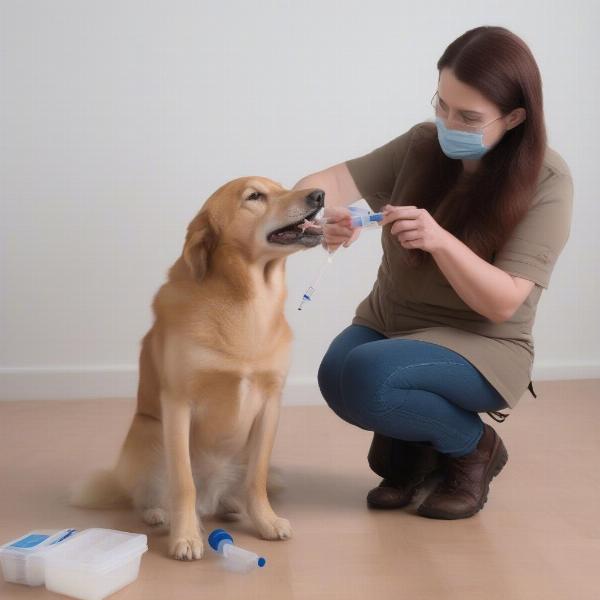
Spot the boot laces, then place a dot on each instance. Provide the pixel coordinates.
(498, 416)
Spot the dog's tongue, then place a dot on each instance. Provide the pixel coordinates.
(308, 224)
(286, 234)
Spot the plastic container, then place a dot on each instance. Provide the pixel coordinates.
(94, 563)
(90, 564)
(22, 560)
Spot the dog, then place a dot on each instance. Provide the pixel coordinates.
(211, 371)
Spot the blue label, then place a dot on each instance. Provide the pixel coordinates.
(30, 541)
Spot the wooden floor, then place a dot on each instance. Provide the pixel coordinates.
(538, 536)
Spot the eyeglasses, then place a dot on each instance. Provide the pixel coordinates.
(466, 124)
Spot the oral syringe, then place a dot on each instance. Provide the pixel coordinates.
(234, 557)
(360, 217)
(356, 220)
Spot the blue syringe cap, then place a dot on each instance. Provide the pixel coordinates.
(365, 220)
(217, 537)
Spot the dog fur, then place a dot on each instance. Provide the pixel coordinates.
(211, 371)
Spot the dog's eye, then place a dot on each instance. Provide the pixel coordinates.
(255, 196)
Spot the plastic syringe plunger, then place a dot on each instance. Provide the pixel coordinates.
(368, 220)
(236, 559)
(357, 219)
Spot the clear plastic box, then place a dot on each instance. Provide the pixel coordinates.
(90, 564)
(21, 559)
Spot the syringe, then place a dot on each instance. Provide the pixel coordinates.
(235, 558)
(360, 218)
(307, 296)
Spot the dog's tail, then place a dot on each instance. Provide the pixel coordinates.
(99, 490)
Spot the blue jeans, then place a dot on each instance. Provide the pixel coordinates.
(406, 389)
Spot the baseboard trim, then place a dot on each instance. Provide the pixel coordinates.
(115, 381)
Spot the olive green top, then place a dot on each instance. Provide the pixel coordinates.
(419, 303)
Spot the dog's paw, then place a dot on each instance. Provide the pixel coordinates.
(154, 516)
(277, 529)
(186, 548)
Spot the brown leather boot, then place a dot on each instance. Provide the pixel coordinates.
(464, 489)
(403, 465)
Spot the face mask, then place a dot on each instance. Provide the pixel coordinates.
(460, 144)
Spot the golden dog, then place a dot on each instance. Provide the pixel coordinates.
(211, 370)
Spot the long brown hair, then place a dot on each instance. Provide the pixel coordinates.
(482, 208)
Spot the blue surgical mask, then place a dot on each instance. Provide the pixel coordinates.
(460, 144)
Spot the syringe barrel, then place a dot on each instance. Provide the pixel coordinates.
(239, 559)
(371, 220)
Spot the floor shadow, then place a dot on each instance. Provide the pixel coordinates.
(307, 486)
(310, 487)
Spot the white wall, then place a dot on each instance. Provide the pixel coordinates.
(119, 118)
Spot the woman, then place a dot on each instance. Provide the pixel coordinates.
(477, 210)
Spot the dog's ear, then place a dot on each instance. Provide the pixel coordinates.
(199, 244)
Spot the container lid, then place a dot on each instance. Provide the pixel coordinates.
(35, 542)
(97, 549)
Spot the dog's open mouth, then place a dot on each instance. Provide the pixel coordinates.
(298, 232)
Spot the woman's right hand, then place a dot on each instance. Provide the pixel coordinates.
(338, 230)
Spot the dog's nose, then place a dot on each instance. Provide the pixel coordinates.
(316, 199)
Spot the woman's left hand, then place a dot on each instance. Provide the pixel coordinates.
(414, 227)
